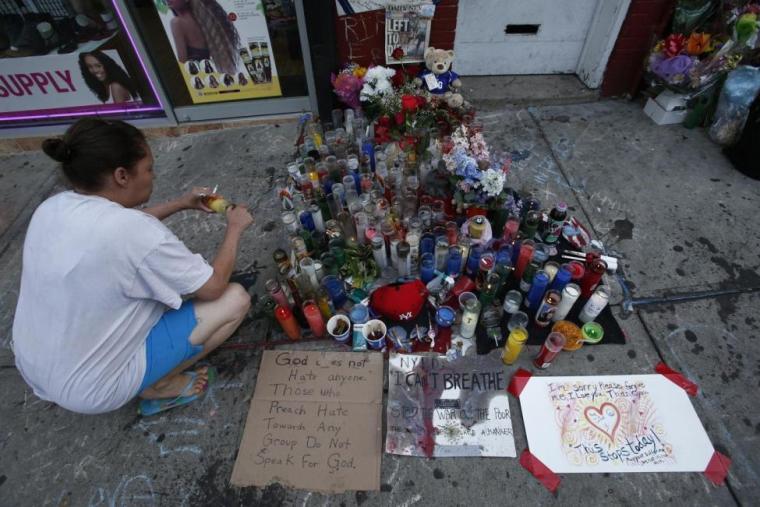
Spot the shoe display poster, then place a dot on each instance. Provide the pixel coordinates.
(441, 407)
(222, 47)
(620, 423)
(65, 84)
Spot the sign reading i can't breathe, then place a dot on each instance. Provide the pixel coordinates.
(443, 408)
(314, 422)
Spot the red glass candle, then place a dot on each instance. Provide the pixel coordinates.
(592, 277)
(314, 318)
(510, 229)
(549, 350)
(523, 258)
(452, 232)
(288, 322)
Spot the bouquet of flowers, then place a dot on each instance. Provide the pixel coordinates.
(468, 164)
(348, 84)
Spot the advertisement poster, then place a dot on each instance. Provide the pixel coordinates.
(407, 26)
(441, 408)
(222, 48)
(600, 424)
(84, 81)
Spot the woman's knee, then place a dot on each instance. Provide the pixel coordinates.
(239, 299)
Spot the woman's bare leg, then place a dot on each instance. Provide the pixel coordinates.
(217, 320)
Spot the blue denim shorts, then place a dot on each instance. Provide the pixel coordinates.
(168, 343)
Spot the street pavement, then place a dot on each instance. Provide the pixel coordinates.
(662, 198)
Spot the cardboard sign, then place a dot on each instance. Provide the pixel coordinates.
(621, 423)
(314, 422)
(442, 408)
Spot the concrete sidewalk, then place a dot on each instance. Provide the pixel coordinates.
(663, 198)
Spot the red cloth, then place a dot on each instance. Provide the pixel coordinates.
(717, 468)
(532, 464)
(678, 379)
(518, 382)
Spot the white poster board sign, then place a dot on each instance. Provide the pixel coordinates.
(442, 408)
(616, 423)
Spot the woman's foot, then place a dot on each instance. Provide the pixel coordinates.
(176, 385)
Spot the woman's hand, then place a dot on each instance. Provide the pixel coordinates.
(194, 199)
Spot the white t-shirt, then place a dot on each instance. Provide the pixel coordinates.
(96, 277)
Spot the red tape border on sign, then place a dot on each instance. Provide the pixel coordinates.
(532, 464)
(717, 468)
(677, 378)
(518, 382)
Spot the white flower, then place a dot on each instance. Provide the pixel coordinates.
(377, 82)
(492, 182)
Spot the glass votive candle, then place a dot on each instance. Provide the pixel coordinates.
(512, 301)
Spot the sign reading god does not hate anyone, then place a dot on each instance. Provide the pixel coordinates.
(314, 422)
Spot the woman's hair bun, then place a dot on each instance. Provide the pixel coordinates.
(57, 149)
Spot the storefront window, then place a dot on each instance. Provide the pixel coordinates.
(211, 51)
(60, 59)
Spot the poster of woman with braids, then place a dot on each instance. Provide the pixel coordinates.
(211, 39)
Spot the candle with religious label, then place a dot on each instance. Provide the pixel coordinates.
(595, 304)
(545, 312)
(515, 343)
(470, 314)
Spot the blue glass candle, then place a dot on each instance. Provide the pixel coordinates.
(473, 260)
(454, 262)
(336, 290)
(307, 221)
(515, 252)
(504, 255)
(537, 289)
(368, 148)
(562, 278)
(427, 244)
(427, 267)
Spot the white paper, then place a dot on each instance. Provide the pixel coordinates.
(443, 408)
(616, 423)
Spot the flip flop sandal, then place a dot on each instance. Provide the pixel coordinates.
(152, 407)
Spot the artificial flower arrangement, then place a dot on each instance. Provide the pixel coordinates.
(691, 64)
(477, 178)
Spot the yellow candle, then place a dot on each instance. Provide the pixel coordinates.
(514, 346)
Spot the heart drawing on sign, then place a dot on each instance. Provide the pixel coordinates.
(606, 418)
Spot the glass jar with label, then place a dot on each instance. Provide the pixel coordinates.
(470, 314)
(595, 304)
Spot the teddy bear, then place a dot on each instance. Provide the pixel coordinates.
(438, 78)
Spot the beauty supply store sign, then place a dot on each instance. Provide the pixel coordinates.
(50, 84)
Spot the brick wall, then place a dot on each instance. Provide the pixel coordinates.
(361, 37)
(646, 21)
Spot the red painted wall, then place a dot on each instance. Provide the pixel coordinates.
(645, 23)
(361, 36)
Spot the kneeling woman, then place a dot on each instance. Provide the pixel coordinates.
(112, 305)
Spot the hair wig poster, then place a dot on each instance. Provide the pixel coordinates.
(222, 48)
(85, 81)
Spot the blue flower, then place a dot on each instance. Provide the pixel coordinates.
(466, 166)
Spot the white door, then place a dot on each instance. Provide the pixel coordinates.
(496, 37)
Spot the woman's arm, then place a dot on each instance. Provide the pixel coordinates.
(179, 40)
(119, 93)
(191, 200)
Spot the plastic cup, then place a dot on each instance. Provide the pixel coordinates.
(334, 322)
(518, 320)
(374, 332)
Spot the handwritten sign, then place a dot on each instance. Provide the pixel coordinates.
(635, 423)
(314, 422)
(443, 408)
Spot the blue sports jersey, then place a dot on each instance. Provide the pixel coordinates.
(444, 81)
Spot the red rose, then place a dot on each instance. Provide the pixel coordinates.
(420, 100)
(398, 79)
(384, 121)
(397, 54)
(409, 103)
(399, 117)
(382, 135)
(412, 70)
